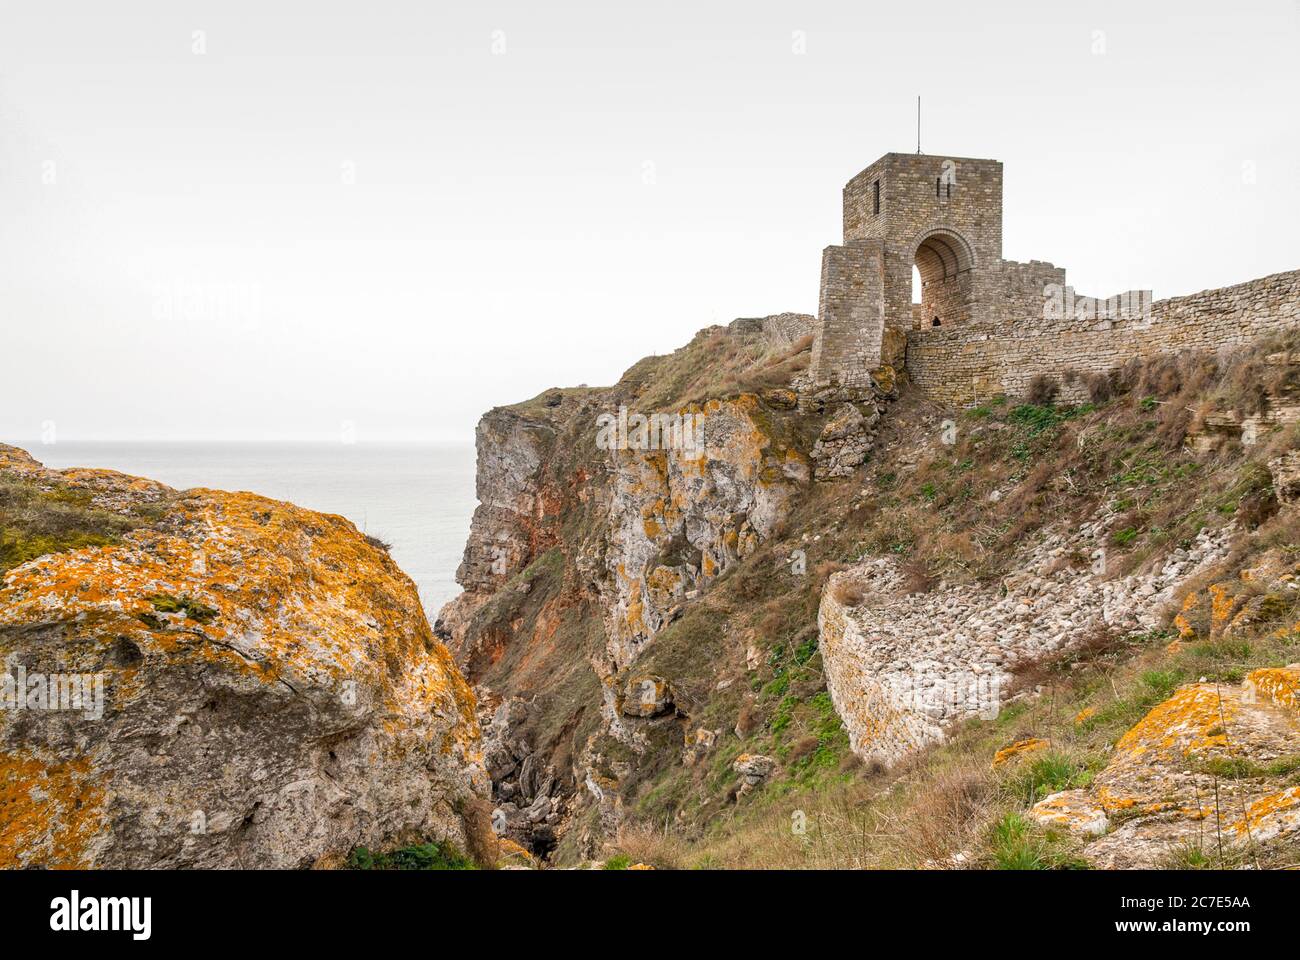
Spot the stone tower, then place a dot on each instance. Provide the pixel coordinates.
(941, 214)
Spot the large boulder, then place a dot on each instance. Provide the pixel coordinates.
(1204, 769)
(232, 682)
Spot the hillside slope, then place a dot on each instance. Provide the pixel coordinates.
(803, 641)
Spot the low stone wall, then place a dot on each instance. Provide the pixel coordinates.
(901, 667)
(964, 364)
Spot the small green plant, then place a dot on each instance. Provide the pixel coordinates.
(1189, 857)
(1018, 845)
(1124, 537)
(191, 608)
(1047, 774)
(435, 855)
(620, 861)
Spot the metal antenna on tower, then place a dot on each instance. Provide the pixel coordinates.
(918, 123)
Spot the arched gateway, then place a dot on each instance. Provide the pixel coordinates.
(942, 215)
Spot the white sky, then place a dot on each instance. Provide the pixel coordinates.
(500, 235)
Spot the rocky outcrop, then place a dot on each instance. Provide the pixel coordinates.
(1230, 607)
(754, 769)
(902, 667)
(511, 449)
(589, 541)
(1285, 471)
(852, 419)
(528, 808)
(1207, 770)
(237, 682)
(845, 442)
(679, 518)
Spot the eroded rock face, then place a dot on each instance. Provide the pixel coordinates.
(678, 518)
(272, 694)
(503, 533)
(903, 667)
(845, 442)
(754, 769)
(646, 696)
(1286, 477)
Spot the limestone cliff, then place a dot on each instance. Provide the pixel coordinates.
(837, 588)
(210, 679)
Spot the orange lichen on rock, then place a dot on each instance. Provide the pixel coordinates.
(245, 558)
(1202, 755)
(1019, 749)
(276, 628)
(1270, 816)
(1195, 718)
(1223, 604)
(1186, 629)
(50, 810)
(1071, 810)
(1280, 685)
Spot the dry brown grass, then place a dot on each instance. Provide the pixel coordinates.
(949, 815)
(662, 848)
(1042, 390)
(849, 592)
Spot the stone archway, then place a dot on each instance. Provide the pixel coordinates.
(944, 260)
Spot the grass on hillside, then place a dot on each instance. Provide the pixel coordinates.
(35, 522)
(715, 364)
(948, 800)
(957, 514)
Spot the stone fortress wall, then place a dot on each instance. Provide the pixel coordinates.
(965, 364)
(986, 325)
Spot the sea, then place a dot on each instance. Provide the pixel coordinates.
(417, 497)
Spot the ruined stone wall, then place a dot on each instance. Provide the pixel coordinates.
(846, 345)
(971, 362)
(781, 330)
(1022, 289)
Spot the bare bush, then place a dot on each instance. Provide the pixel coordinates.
(1042, 390)
(849, 593)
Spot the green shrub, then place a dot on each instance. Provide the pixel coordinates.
(435, 855)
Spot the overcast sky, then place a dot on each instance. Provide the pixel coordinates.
(256, 221)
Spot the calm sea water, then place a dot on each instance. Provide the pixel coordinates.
(417, 497)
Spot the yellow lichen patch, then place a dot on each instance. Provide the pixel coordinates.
(511, 854)
(1280, 685)
(265, 589)
(50, 811)
(1223, 603)
(1182, 621)
(1271, 816)
(1072, 810)
(640, 866)
(1019, 749)
(1194, 719)
(1157, 765)
(1115, 800)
